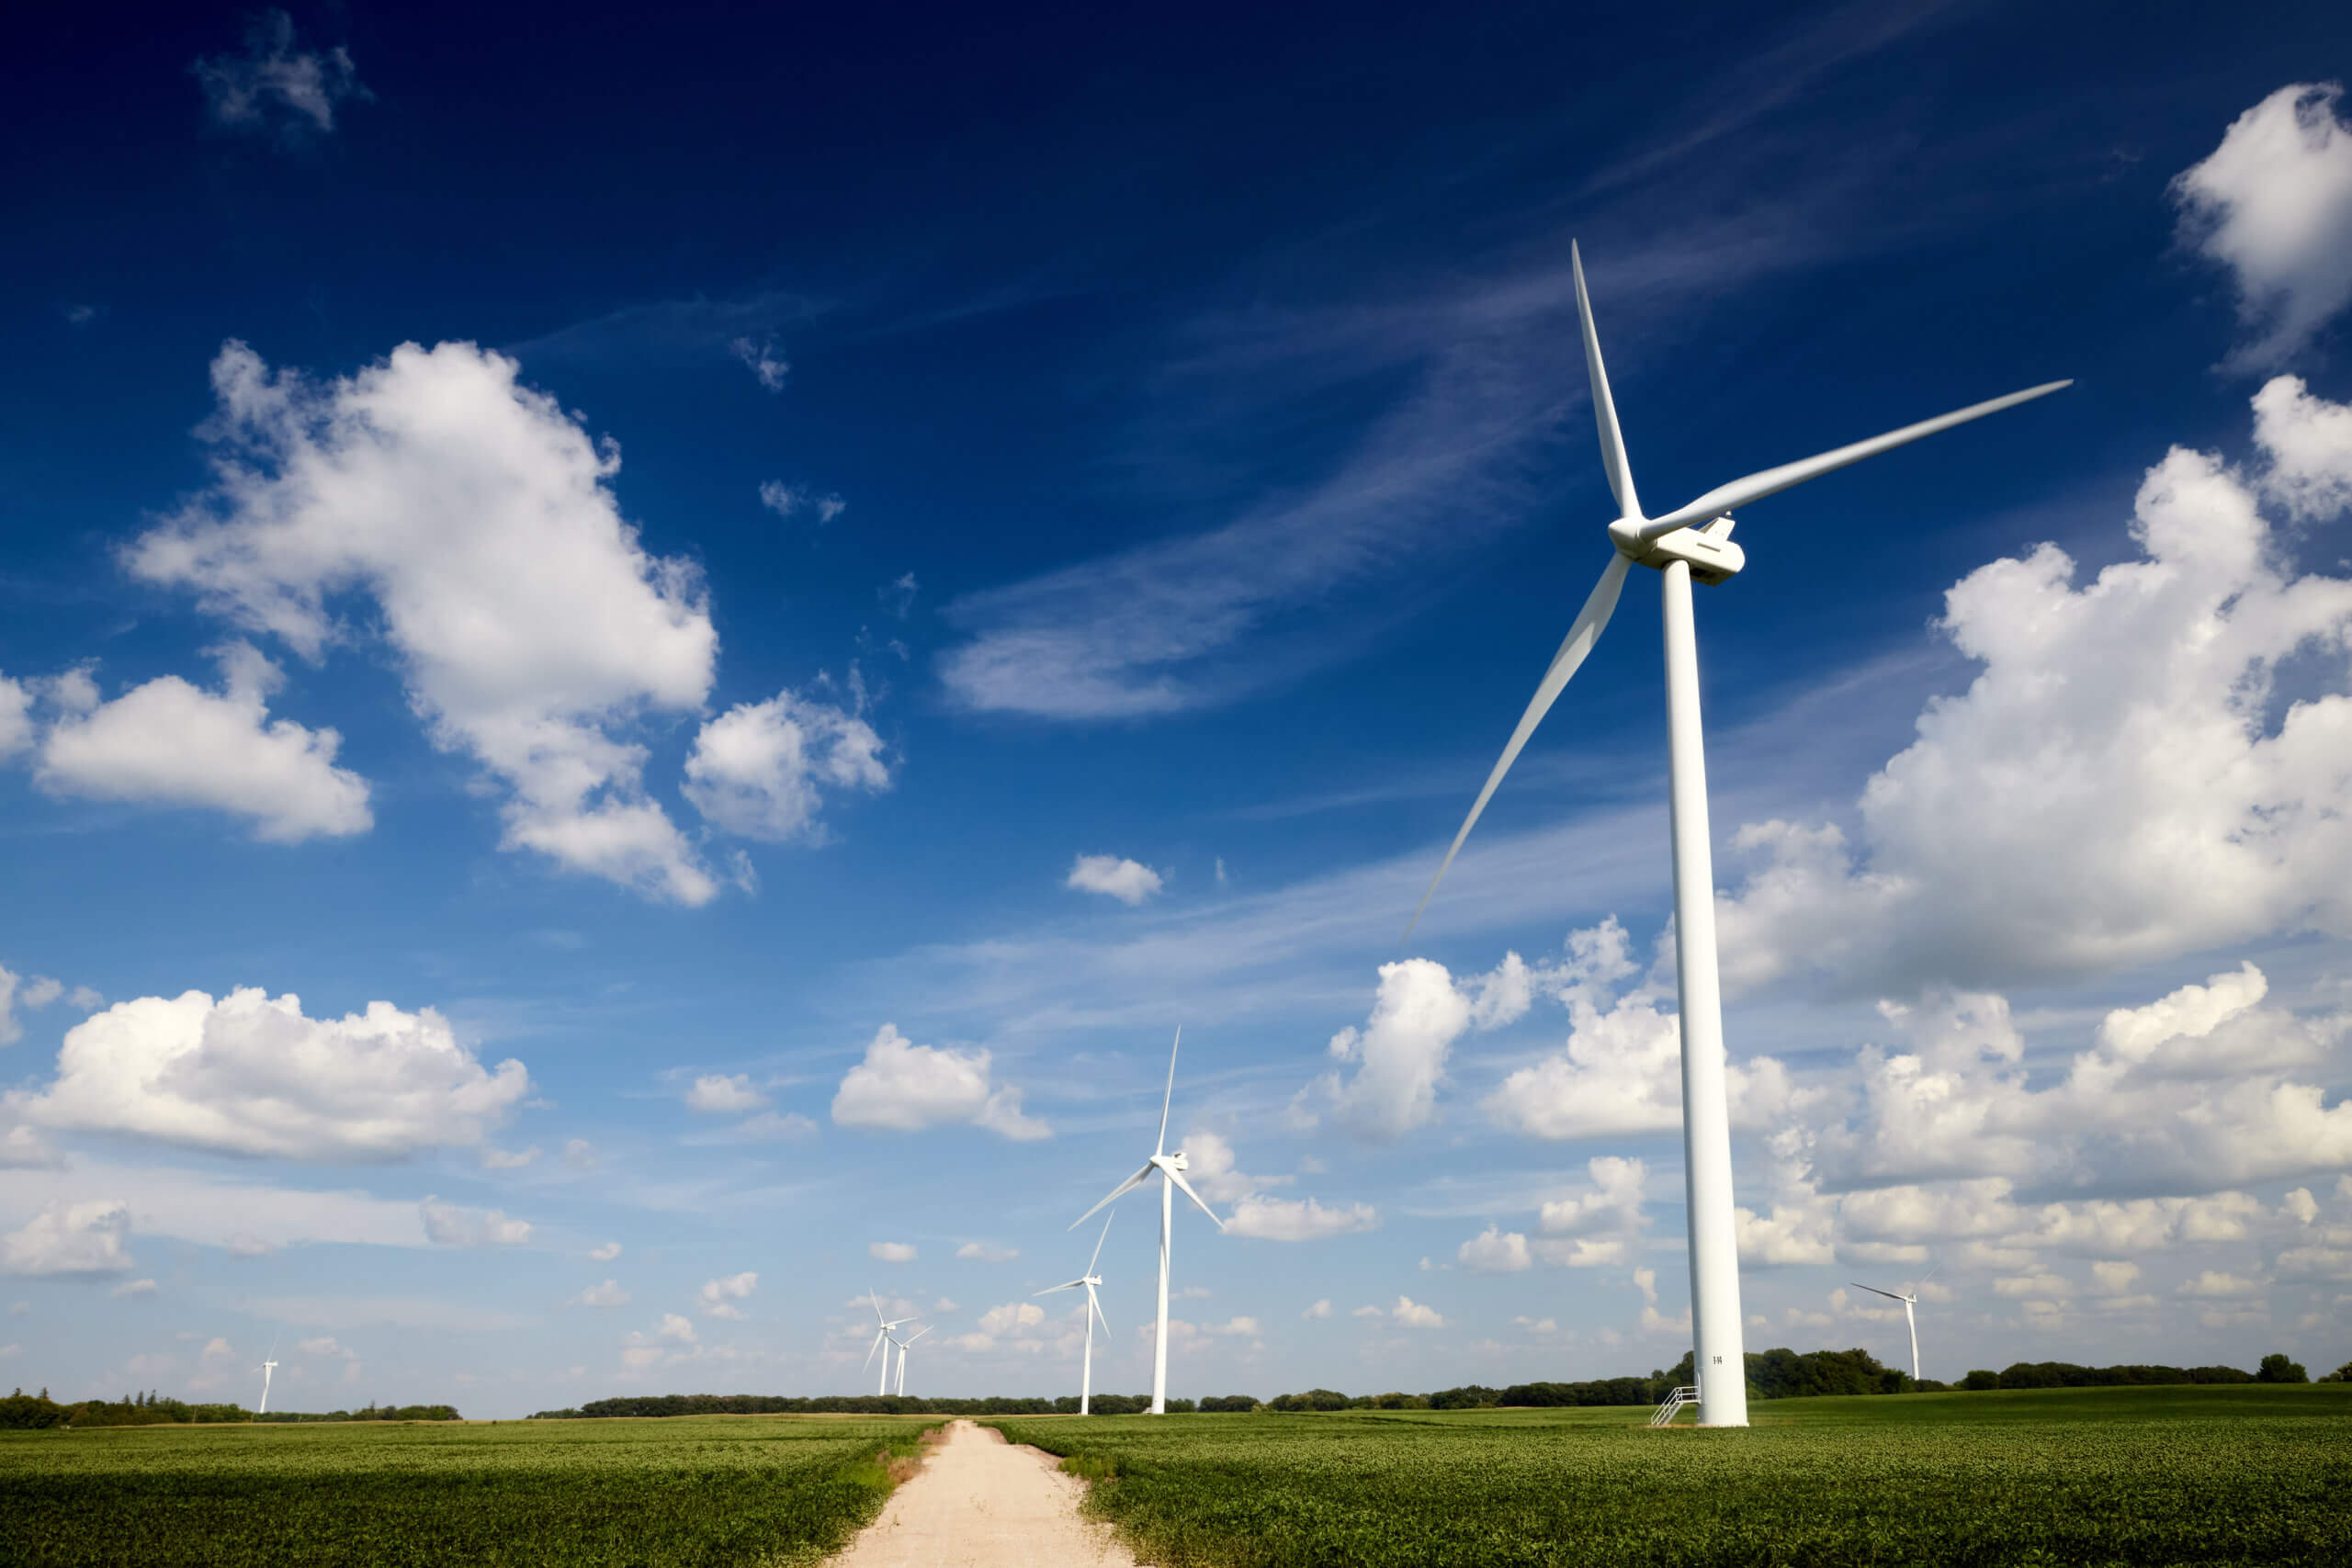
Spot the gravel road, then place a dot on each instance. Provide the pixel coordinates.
(981, 1502)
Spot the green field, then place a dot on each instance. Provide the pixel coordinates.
(705, 1490)
(2241, 1474)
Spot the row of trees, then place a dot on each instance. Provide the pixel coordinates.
(1771, 1374)
(2275, 1368)
(849, 1405)
(21, 1410)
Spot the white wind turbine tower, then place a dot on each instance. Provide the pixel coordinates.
(903, 1345)
(1171, 1169)
(1093, 1311)
(881, 1337)
(268, 1366)
(1910, 1319)
(1691, 541)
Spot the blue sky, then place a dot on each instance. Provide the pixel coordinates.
(821, 584)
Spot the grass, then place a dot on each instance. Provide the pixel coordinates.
(2093, 1476)
(716, 1491)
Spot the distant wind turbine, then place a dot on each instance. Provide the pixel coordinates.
(1692, 541)
(881, 1337)
(268, 1366)
(1171, 1168)
(903, 1345)
(1909, 1316)
(1093, 1311)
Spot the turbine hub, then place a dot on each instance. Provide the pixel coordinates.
(1708, 552)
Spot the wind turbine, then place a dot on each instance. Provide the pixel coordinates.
(1692, 541)
(903, 1345)
(881, 1337)
(268, 1366)
(1909, 1317)
(1171, 1169)
(1093, 1310)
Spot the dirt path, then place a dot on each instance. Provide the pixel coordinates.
(979, 1502)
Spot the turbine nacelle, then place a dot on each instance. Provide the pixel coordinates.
(1707, 551)
(1175, 1162)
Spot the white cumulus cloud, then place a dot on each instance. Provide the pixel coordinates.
(1400, 1053)
(2193, 1093)
(453, 1224)
(247, 1075)
(70, 1238)
(1495, 1251)
(1298, 1219)
(1130, 882)
(170, 743)
(2123, 782)
(32, 993)
(756, 769)
(891, 1251)
(717, 1297)
(2273, 203)
(988, 1252)
(608, 1294)
(905, 1088)
(1012, 1315)
(532, 628)
(720, 1095)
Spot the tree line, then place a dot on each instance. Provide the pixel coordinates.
(1771, 1374)
(651, 1405)
(37, 1411)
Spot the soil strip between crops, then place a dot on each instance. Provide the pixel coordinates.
(981, 1501)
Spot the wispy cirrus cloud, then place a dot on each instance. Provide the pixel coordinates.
(275, 86)
(1154, 630)
(1470, 369)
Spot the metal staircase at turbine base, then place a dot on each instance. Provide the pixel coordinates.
(1665, 1413)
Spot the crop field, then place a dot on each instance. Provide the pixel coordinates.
(715, 1490)
(2107, 1476)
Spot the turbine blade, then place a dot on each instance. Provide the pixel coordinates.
(918, 1334)
(1186, 1188)
(1915, 1290)
(1101, 1240)
(1170, 1099)
(876, 1298)
(1771, 482)
(1874, 1289)
(1604, 407)
(1121, 1190)
(878, 1337)
(1050, 1289)
(1096, 1302)
(1590, 622)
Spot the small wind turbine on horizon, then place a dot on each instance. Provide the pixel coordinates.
(1909, 1317)
(1171, 1170)
(903, 1345)
(268, 1366)
(881, 1337)
(1093, 1311)
(1692, 541)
